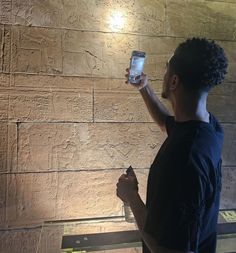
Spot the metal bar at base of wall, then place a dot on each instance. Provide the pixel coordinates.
(129, 239)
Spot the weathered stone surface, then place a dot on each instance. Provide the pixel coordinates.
(48, 239)
(3, 147)
(116, 101)
(97, 54)
(53, 82)
(12, 147)
(4, 104)
(44, 147)
(8, 154)
(86, 53)
(228, 194)
(227, 1)
(214, 19)
(5, 11)
(71, 106)
(36, 50)
(3, 188)
(97, 226)
(121, 107)
(33, 198)
(221, 102)
(230, 50)
(95, 196)
(1, 45)
(4, 80)
(145, 17)
(229, 157)
(158, 51)
(111, 84)
(20, 241)
(4, 48)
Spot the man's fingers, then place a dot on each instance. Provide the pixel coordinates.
(137, 77)
(122, 178)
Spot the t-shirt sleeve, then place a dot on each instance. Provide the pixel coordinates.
(180, 219)
(170, 121)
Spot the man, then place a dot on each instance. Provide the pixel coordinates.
(184, 182)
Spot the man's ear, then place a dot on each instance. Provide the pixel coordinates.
(174, 82)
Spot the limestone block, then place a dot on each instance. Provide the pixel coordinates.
(145, 17)
(19, 241)
(3, 147)
(5, 11)
(107, 55)
(70, 106)
(31, 198)
(116, 101)
(120, 107)
(119, 85)
(227, 1)
(3, 186)
(89, 53)
(229, 158)
(4, 80)
(221, 102)
(50, 239)
(44, 147)
(12, 147)
(5, 42)
(211, 19)
(36, 50)
(99, 225)
(1, 45)
(97, 54)
(230, 50)
(228, 194)
(158, 51)
(53, 82)
(8, 146)
(4, 104)
(88, 194)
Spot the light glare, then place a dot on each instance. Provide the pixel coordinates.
(117, 20)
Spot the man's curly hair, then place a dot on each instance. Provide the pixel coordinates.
(199, 63)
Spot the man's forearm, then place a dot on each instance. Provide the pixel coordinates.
(157, 110)
(140, 213)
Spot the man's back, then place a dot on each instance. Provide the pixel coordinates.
(184, 187)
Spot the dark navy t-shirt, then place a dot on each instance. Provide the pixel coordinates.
(184, 187)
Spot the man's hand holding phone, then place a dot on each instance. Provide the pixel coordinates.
(135, 75)
(143, 80)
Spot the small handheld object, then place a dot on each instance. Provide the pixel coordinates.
(136, 66)
(130, 172)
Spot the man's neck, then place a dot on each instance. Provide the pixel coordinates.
(190, 109)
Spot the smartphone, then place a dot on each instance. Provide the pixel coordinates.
(136, 66)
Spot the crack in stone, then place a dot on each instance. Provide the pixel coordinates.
(94, 56)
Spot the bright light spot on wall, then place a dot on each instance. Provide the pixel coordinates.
(116, 20)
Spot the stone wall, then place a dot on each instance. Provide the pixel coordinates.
(70, 125)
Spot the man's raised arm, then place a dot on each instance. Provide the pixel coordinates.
(155, 107)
